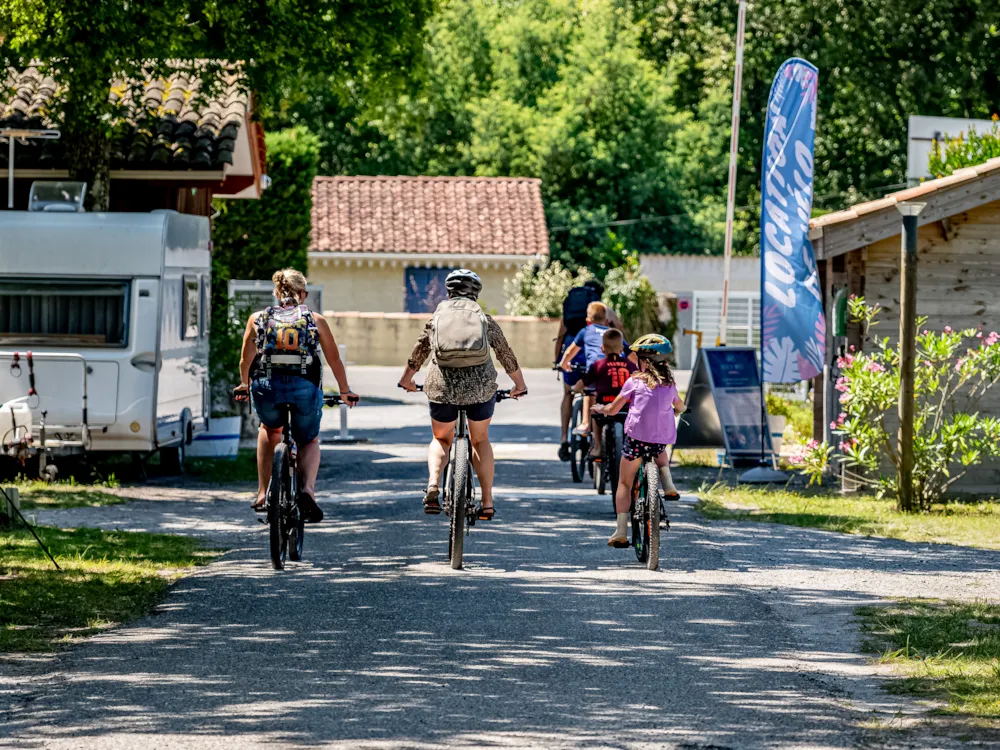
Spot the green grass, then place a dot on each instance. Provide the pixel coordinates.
(107, 578)
(968, 524)
(690, 458)
(945, 651)
(38, 494)
(243, 468)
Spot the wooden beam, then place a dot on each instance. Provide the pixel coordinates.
(856, 288)
(947, 229)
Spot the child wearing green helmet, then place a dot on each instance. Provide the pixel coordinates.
(653, 401)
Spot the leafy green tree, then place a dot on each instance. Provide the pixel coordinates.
(253, 239)
(556, 89)
(275, 46)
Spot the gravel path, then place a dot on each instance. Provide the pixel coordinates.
(549, 639)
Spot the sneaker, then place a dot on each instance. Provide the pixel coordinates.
(565, 452)
(582, 431)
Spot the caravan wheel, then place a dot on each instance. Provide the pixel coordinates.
(172, 459)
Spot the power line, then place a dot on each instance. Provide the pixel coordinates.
(669, 217)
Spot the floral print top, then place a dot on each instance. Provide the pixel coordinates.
(463, 386)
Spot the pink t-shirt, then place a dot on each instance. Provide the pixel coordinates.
(651, 412)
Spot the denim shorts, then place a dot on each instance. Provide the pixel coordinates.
(305, 399)
(575, 375)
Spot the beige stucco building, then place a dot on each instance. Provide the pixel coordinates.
(385, 244)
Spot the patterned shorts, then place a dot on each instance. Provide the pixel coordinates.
(636, 449)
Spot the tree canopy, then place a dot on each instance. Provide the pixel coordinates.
(273, 45)
(622, 107)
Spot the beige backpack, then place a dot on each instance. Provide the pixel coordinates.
(459, 336)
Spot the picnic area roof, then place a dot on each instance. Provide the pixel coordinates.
(168, 126)
(837, 233)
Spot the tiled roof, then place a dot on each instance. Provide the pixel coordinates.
(924, 190)
(463, 215)
(171, 128)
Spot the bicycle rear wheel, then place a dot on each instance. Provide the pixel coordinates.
(277, 498)
(459, 472)
(614, 439)
(638, 511)
(601, 467)
(652, 530)
(578, 444)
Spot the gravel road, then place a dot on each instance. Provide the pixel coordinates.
(548, 639)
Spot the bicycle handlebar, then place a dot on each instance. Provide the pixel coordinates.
(334, 399)
(502, 395)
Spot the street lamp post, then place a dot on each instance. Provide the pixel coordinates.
(907, 351)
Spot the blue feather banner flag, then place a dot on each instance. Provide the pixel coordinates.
(792, 325)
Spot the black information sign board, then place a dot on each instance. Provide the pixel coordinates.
(723, 405)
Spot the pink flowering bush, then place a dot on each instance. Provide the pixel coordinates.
(954, 369)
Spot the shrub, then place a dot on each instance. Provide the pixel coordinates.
(630, 294)
(540, 291)
(964, 151)
(954, 370)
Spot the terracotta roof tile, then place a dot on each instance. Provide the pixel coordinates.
(467, 215)
(173, 127)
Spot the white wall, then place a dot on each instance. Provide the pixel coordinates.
(675, 274)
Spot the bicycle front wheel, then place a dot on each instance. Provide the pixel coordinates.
(459, 471)
(652, 530)
(277, 500)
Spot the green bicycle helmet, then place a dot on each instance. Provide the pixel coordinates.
(653, 347)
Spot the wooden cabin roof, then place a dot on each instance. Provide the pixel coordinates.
(866, 223)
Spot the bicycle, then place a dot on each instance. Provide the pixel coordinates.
(579, 444)
(286, 525)
(612, 439)
(459, 495)
(646, 513)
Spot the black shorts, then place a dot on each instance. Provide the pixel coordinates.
(475, 412)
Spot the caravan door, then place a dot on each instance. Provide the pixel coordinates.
(182, 392)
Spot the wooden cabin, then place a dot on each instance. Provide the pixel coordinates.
(958, 272)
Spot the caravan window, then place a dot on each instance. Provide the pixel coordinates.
(50, 312)
(191, 323)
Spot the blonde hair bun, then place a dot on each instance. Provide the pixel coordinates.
(288, 284)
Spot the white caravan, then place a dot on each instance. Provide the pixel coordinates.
(114, 310)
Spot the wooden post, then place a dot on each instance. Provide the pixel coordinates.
(907, 352)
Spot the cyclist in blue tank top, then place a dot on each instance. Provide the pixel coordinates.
(289, 329)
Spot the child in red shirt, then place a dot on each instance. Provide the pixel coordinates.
(607, 376)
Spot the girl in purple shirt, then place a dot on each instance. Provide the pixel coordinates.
(653, 401)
